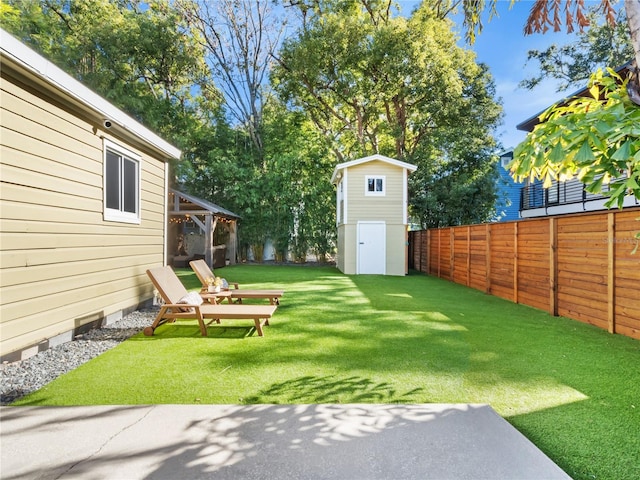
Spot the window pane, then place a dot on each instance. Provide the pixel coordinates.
(113, 181)
(130, 185)
(378, 184)
(371, 184)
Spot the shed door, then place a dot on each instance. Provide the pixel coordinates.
(371, 248)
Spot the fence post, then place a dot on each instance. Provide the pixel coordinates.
(468, 255)
(488, 258)
(428, 252)
(417, 238)
(439, 250)
(611, 273)
(553, 268)
(515, 262)
(452, 255)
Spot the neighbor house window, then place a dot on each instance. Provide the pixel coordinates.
(121, 184)
(374, 185)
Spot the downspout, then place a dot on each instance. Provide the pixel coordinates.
(165, 236)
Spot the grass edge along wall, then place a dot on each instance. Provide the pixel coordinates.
(580, 266)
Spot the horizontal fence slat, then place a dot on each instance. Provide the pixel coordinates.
(581, 266)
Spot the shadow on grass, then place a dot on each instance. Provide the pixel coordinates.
(332, 389)
(214, 332)
(571, 388)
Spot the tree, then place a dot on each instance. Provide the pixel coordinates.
(600, 46)
(299, 151)
(146, 58)
(461, 192)
(240, 37)
(139, 56)
(546, 14)
(596, 138)
(372, 82)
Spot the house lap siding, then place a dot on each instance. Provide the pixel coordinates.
(61, 265)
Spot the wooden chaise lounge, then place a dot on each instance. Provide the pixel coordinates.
(203, 272)
(178, 303)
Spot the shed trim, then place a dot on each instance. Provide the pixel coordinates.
(370, 158)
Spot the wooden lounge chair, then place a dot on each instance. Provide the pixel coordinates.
(178, 305)
(203, 272)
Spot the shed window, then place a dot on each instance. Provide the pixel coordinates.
(375, 185)
(121, 184)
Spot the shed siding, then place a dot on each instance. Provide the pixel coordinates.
(340, 253)
(387, 208)
(61, 264)
(396, 255)
(349, 249)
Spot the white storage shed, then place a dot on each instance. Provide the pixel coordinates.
(372, 218)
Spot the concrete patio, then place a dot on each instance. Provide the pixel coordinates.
(363, 441)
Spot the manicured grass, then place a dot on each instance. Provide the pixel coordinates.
(573, 389)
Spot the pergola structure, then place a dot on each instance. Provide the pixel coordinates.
(207, 216)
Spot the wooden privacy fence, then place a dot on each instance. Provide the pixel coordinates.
(579, 266)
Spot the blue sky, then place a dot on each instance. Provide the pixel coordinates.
(503, 46)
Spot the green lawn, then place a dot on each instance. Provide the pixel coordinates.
(572, 389)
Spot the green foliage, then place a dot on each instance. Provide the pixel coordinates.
(372, 82)
(138, 55)
(302, 196)
(380, 83)
(460, 192)
(601, 46)
(595, 138)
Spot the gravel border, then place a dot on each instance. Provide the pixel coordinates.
(17, 379)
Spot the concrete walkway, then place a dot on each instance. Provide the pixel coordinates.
(275, 442)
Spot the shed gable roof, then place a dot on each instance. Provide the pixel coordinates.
(377, 157)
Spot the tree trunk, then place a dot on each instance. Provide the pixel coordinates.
(632, 8)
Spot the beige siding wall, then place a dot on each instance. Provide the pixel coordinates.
(61, 264)
(340, 253)
(368, 208)
(389, 209)
(396, 250)
(348, 251)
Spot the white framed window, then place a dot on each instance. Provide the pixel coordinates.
(375, 185)
(121, 184)
(506, 160)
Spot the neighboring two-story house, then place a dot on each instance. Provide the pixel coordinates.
(508, 204)
(562, 197)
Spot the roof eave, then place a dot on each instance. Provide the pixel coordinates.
(34, 65)
(352, 163)
(529, 124)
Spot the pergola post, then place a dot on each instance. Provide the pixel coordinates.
(232, 247)
(208, 239)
